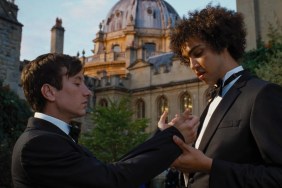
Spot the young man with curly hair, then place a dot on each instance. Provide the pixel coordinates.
(239, 141)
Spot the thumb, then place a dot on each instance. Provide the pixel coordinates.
(186, 149)
(163, 116)
(180, 143)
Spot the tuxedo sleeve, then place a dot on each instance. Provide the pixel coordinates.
(266, 128)
(54, 161)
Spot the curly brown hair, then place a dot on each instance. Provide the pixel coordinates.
(218, 27)
(46, 69)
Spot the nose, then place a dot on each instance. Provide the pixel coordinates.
(86, 91)
(89, 93)
(193, 63)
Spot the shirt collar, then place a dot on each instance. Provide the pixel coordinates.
(59, 123)
(232, 71)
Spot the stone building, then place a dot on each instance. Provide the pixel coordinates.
(131, 56)
(10, 43)
(132, 59)
(259, 15)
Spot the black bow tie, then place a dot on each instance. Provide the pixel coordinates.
(217, 89)
(74, 131)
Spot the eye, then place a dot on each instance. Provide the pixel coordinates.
(198, 53)
(77, 83)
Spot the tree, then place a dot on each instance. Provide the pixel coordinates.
(271, 71)
(14, 114)
(254, 58)
(115, 132)
(265, 62)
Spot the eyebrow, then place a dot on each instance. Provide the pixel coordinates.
(79, 78)
(193, 49)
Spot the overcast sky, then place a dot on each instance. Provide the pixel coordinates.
(81, 20)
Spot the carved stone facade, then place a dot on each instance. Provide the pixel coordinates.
(132, 58)
(10, 41)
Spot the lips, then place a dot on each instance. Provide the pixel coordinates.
(85, 103)
(200, 73)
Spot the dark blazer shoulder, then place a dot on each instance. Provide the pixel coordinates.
(38, 127)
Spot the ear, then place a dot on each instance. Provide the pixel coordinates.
(48, 92)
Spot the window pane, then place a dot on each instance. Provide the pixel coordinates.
(150, 49)
(185, 102)
(162, 106)
(140, 109)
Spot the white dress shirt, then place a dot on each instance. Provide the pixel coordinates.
(216, 101)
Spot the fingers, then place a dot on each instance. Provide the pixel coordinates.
(163, 116)
(161, 124)
(186, 114)
(174, 120)
(180, 143)
(180, 118)
(193, 121)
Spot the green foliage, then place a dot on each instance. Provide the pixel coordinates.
(115, 132)
(14, 114)
(265, 62)
(254, 58)
(274, 33)
(271, 71)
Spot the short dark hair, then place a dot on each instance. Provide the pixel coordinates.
(46, 69)
(218, 27)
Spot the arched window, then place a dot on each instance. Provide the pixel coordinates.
(185, 102)
(116, 48)
(150, 49)
(162, 105)
(103, 102)
(140, 105)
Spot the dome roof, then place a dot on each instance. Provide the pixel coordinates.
(153, 14)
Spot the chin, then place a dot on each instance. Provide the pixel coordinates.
(209, 83)
(206, 81)
(81, 114)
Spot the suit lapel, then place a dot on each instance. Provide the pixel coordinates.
(222, 108)
(202, 118)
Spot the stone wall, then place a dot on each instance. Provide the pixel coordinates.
(10, 42)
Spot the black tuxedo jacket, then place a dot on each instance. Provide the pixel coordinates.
(244, 138)
(44, 156)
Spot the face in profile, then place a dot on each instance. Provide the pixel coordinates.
(72, 100)
(207, 64)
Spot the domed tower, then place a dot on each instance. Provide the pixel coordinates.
(133, 31)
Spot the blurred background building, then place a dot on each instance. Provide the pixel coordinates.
(131, 55)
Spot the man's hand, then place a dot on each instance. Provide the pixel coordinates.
(178, 119)
(161, 124)
(191, 160)
(186, 123)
